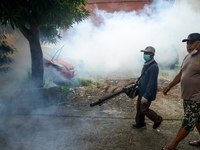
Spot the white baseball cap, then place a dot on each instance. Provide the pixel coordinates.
(149, 49)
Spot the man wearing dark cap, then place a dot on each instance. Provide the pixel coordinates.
(189, 76)
(147, 90)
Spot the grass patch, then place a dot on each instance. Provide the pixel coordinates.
(65, 88)
(80, 83)
(169, 74)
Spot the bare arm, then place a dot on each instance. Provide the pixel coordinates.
(176, 80)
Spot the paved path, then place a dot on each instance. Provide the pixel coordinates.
(67, 129)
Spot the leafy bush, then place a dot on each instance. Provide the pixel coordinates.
(5, 52)
(65, 87)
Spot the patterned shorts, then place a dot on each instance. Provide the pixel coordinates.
(191, 114)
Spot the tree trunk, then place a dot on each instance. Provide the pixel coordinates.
(37, 62)
(32, 36)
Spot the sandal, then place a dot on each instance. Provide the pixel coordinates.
(168, 147)
(194, 143)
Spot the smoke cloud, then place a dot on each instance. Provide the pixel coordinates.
(113, 46)
(110, 47)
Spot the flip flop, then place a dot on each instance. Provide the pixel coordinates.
(194, 143)
(170, 148)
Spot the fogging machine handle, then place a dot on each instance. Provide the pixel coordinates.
(102, 100)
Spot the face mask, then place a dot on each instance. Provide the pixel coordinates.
(193, 52)
(147, 57)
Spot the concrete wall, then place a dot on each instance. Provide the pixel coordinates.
(117, 5)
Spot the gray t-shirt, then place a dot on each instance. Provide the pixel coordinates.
(190, 79)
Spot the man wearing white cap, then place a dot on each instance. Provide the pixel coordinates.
(147, 90)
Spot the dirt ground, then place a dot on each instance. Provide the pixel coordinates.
(121, 112)
(73, 125)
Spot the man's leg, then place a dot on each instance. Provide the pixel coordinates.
(198, 127)
(188, 123)
(140, 118)
(180, 136)
(150, 113)
(196, 142)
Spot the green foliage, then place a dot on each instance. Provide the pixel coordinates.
(81, 83)
(49, 34)
(50, 15)
(64, 90)
(85, 82)
(5, 52)
(39, 20)
(65, 87)
(4, 31)
(89, 83)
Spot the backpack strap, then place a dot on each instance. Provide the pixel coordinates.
(144, 71)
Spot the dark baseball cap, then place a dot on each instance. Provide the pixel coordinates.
(192, 37)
